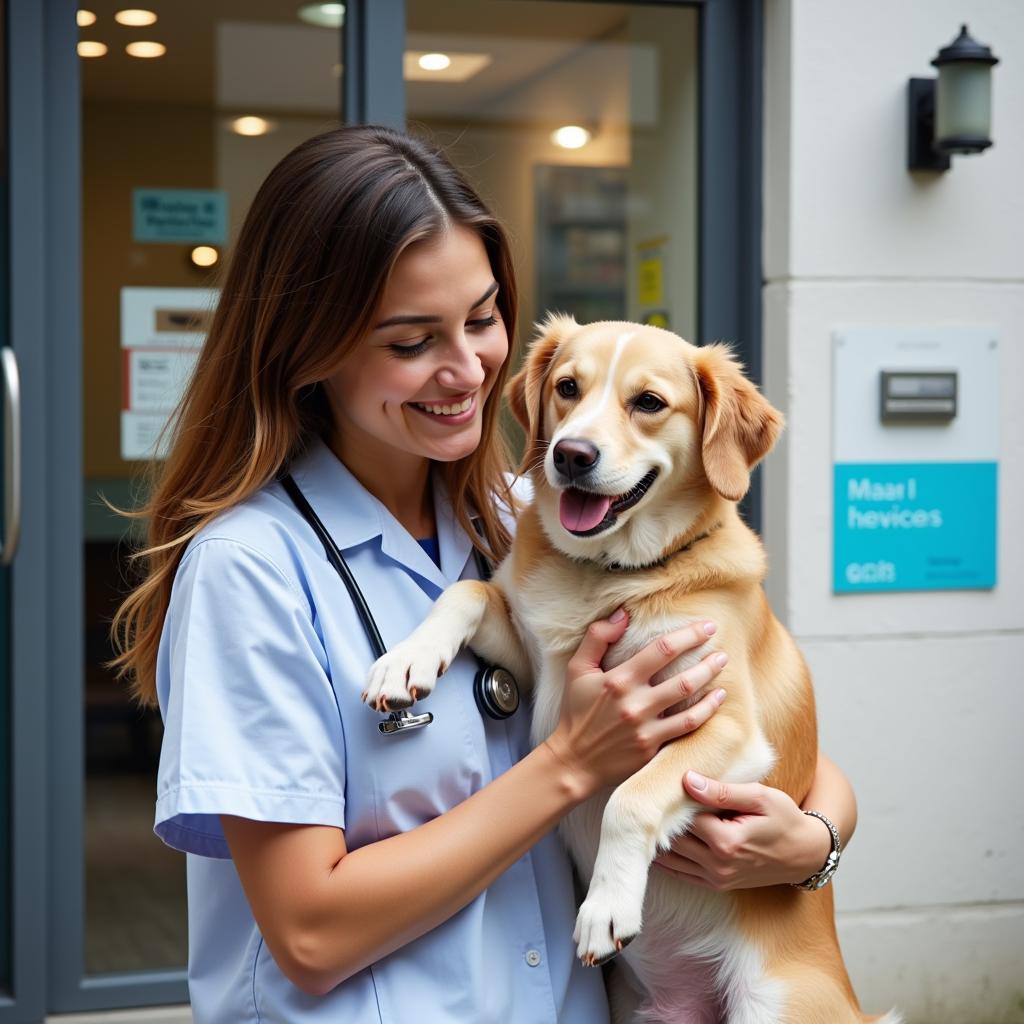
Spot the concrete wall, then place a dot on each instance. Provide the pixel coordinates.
(920, 696)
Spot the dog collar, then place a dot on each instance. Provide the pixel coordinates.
(616, 567)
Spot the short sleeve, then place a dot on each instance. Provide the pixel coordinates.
(251, 722)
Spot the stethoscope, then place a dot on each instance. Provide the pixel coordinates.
(494, 688)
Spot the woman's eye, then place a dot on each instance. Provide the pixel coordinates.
(567, 388)
(489, 321)
(648, 402)
(408, 351)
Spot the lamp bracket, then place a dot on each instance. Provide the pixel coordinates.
(921, 153)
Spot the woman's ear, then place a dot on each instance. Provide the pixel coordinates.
(525, 390)
(740, 426)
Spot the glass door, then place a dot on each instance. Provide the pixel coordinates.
(184, 110)
(578, 123)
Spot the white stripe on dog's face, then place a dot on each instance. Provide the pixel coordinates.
(574, 424)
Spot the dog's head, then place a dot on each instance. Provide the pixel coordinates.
(632, 434)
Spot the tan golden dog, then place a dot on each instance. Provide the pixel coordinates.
(639, 447)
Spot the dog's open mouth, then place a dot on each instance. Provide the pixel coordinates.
(584, 513)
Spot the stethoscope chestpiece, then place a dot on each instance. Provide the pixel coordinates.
(496, 692)
(403, 721)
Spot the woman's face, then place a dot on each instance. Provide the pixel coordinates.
(417, 384)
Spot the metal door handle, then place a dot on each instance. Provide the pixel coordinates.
(12, 454)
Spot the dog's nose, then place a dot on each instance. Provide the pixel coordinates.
(574, 459)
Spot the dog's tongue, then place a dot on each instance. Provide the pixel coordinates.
(580, 511)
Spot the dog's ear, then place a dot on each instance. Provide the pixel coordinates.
(524, 389)
(739, 425)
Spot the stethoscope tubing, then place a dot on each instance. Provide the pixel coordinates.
(494, 688)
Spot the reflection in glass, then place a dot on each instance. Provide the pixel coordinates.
(163, 124)
(578, 123)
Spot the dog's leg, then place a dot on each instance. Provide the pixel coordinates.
(642, 815)
(411, 668)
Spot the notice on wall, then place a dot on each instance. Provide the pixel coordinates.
(915, 502)
(162, 332)
(651, 260)
(179, 216)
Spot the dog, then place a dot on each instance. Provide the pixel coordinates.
(639, 446)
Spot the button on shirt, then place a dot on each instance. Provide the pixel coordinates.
(261, 664)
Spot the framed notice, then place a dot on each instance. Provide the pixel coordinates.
(162, 332)
(915, 477)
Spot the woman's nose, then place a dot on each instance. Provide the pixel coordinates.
(463, 369)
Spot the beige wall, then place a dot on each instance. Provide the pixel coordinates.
(919, 693)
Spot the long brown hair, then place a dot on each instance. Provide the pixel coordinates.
(306, 276)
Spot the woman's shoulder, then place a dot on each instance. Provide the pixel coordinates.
(260, 531)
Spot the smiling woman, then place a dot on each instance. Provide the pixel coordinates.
(272, 773)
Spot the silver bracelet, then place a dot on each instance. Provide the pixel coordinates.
(821, 878)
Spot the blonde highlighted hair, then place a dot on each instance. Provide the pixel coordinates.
(307, 274)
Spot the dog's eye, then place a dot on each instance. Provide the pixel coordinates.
(648, 402)
(567, 388)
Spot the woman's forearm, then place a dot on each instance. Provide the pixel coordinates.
(349, 910)
(832, 794)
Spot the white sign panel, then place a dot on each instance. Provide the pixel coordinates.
(162, 331)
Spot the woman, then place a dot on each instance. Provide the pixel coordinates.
(334, 872)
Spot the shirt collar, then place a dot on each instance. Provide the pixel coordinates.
(353, 516)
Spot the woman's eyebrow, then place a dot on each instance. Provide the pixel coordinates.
(392, 321)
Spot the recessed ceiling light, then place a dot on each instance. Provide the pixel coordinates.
(86, 18)
(423, 66)
(251, 126)
(145, 49)
(90, 48)
(204, 255)
(434, 61)
(135, 17)
(323, 15)
(570, 136)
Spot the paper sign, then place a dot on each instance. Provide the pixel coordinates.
(162, 332)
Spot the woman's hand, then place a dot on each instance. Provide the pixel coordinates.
(765, 839)
(612, 723)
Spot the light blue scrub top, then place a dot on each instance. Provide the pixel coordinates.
(261, 663)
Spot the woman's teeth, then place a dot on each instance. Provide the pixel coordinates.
(445, 410)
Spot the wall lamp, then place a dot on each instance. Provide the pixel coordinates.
(955, 115)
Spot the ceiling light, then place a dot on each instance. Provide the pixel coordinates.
(145, 49)
(135, 18)
(204, 255)
(323, 15)
(90, 48)
(427, 66)
(570, 136)
(86, 18)
(434, 61)
(251, 126)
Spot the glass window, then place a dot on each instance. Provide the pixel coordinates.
(578, 123)
(182, 118)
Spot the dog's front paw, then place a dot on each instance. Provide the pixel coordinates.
(406, 673)
(606, 924)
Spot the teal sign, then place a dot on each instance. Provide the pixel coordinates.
(181, 215)
(914, 526)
